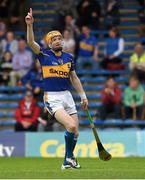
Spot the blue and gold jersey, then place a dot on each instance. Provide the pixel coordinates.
(56, 70)
(87, 45)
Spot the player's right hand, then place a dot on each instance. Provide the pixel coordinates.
(84, 104)
(29, 18)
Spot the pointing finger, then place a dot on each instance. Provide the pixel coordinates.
(31, 11)
(30, 14)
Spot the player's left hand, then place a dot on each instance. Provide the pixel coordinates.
(84, 104)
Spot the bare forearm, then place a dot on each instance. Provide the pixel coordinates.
(30, 34)
(30, 40)
(78, 86)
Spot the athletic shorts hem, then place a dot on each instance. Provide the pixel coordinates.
(73, 113)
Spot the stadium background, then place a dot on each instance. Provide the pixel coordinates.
(121, 137)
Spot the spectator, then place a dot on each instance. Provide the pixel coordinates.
(27, 114)
(9, 12)
(137, 62)
(89, 12)
(32, 80)
(22, 62)
(10, 43)
(134, 99)
(65, 7)
(113, 49)
(69, 42)
(68, 23)
(43, 43)
(142, 20)
(2, 35)
(4, 10)
(6, 68)
(88, 51)
(46, 121)
(15, 15)
(111, 100)
(2, 29)
(112, 15)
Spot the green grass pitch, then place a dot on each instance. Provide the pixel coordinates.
(49, 168)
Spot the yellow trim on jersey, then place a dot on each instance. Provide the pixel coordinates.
(61, 71)
(85, 46)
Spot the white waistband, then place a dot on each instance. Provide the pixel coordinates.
(56, 92)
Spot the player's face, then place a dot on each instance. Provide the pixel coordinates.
(56, 43)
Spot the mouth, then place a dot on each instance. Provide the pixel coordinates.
(58, 45)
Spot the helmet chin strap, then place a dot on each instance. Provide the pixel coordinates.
(50, 46)
(62, 43)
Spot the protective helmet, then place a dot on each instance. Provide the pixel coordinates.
(51, 35)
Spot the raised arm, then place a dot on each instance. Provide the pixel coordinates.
(30, 34)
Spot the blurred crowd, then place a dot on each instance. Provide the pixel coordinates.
(129, 104)
(141, 14)
(77, 23)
